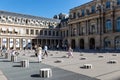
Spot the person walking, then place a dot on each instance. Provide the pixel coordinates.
(57, 46)
(45, 51)
(13, 55)
(70, 52)
(39, 53)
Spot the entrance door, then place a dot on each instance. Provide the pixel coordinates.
(81, 43)
(73, 44)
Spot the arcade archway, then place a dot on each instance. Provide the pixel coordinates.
(73, 43)
(81, 43)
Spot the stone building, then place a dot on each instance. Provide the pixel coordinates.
(95, 25)
(21, 31)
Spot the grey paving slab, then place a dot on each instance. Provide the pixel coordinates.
(13, 71)
(68, 69)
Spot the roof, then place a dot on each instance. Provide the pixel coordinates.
(82, 5)
(28, 16)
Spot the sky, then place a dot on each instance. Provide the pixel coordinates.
(43, 8)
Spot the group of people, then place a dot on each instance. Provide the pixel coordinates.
(12, 51)
(70, 52)
(39, 54)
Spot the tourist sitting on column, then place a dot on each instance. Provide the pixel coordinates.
(70, 50)
(39, 53)
(45, 51)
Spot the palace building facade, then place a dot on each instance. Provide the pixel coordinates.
(20, 31)
(94, 25)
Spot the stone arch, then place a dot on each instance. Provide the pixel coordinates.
(117, 42)
(107, 43)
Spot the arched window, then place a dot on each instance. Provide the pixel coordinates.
(108, 4)
(118, 2)
(108, 26)
(117, 42)
(118, 25)
(107, 43)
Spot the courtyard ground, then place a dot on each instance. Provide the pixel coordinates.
(68, 69)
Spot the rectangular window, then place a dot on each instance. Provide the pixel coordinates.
(45, 32)
(57, 33)
(36, 32)
(41, 32)
(31, 31)
(74, 15)
(93, 9)
(118, 2)
(108, 4)
(49, 33)
(53, 33)
(108, 26)
(11, 43)
(83, 13)
(27, 31)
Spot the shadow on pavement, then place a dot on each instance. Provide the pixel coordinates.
(35, 75)
(5, 61)
(17, 66)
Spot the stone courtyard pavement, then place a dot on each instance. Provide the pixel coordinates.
(68, 69)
